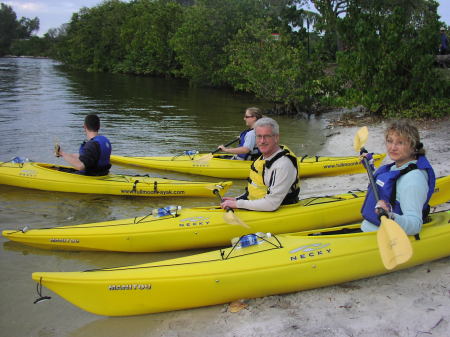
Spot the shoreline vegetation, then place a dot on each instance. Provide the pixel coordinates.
(277, 52)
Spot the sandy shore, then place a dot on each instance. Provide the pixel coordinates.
(409, 303)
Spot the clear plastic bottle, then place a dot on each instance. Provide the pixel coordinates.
(159, 212)
(190, 152)
(250, 240)
(19, 160)
(165, 211)
(173, 209)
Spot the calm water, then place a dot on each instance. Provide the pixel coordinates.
(40, 103)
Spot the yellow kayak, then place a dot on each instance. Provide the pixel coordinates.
(202, 227)
(50, 177)
(259, 265)
(220, 166)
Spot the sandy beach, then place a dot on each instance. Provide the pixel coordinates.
(408, 303)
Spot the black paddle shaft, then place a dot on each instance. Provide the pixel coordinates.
(370, 174)
(216, 192)
(227, 144)
(380, 211)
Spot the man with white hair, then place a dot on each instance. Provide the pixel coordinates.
(273, 179)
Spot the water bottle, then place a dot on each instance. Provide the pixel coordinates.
(250, 240)
(19, 160)
(165, 211)
(190, 152)
(159, 212)
(260, 236)
(173, 209)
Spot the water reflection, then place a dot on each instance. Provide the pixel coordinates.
(156, 324)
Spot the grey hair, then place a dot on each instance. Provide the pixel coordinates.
(267, 121)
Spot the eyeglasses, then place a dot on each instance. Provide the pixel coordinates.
(248, 116)
(264, 136)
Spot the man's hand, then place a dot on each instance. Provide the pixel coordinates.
(57, 150)
(228, 203)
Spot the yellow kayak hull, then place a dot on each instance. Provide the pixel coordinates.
(202, 227)
(279, 264)
(48, 177)
(238, 169)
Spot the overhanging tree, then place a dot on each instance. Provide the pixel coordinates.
(389, 51)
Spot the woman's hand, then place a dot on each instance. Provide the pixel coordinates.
(383, 207)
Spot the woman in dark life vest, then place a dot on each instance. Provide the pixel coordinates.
(247, 149)
(405, 186)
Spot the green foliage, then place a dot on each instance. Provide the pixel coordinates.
(200, 40)
(388, 62)
(145, 36)
(381, 51)
(93, 37)
(27, 27)
(271, 69)
(11, 28)
(437, 108)
(8, 27)
(34, 46)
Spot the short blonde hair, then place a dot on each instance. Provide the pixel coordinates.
(407, 130)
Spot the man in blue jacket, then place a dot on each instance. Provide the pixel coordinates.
(94, 154)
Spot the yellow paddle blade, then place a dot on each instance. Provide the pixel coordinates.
(360, 139)
(393, 243)
(233, 219)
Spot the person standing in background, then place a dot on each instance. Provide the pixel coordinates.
(443, 46)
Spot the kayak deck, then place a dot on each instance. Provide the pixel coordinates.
(50, 177)
(221, 166)
(277, 264)
(202, 227)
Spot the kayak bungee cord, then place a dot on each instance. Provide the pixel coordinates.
(222, 253)
(135, 221)
(333, 199)
(235, 245)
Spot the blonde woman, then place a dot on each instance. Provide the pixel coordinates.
(405, 186)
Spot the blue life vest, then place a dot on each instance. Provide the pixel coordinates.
(386, 182)
(254, 153)
(103, 163)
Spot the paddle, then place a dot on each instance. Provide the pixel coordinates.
(210, 155)
(229, 216)
(393, 243)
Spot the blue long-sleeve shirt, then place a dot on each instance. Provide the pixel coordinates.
(412, 190)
